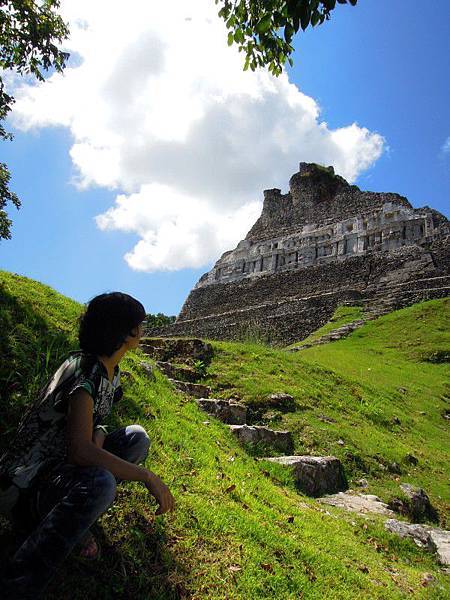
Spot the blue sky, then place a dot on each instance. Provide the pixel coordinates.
(383, 65)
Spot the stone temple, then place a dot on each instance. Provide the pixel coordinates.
(323, 244)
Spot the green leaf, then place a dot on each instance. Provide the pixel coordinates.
(230, 38)
(315, 18)
(288, 32)
(264, 24)
(305, 17)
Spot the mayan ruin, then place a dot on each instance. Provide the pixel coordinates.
(323, 244)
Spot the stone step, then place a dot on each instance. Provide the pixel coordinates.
(187, 350)
(281, 441)
(332, 336)
(359, 503)
(432, 539)
(227, 411)
(315, 475)
(178, 372)
(197, 390)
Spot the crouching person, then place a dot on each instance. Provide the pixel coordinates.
(61, 471)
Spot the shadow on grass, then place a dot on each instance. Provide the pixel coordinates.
(137, 564)
(135, 559)
(30, 351)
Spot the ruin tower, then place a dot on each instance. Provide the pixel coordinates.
(322, 244)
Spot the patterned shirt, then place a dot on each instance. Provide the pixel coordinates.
(40, 443)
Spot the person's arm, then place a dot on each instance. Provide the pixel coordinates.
(83, 451)
(99, 436)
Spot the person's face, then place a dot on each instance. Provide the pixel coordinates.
(135, 337)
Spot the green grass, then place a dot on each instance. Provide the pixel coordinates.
(342, 315)
(362, 384)
(240, 528)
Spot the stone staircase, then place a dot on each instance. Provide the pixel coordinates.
(314, 475)
(321, 477)
(384, 301)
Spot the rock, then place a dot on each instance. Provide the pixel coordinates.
(126, 375)
(440, 538)
(394, 467)
(197, 390)
(148, 369)
(340, 443)
(271, 417)
(431, 538)
(362, 483)
(183, 350)
(360, 503)
(416, 532)
(417, 506)
(181, 373)
(281, 401)
(411, 459)
(316, 475)
(326, 419)
(446, 414)
(280, 441)
(396, 421)
(228, 411)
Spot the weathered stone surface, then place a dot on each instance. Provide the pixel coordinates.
(228, 411)
(182, 373)
(322, 244)
(281, 401)
(360, 503)
(316, 475)
(417, 506)
(197, 390)
(440, 538)
(148, 369)
(184, 350)
(432, 539)
(280, 441)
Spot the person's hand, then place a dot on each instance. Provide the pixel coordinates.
(161, 492)
(99, 437)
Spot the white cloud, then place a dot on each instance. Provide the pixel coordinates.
(160, 110)
(446, 146)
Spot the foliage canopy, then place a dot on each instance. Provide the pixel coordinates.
(29, 32)
(264, 29)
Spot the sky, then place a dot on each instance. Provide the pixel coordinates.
(147, 159)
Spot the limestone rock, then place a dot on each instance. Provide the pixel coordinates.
(316, 475)
(182, 373)
(281, 400)
(280, 441)
(228, 411)
(432, 539)
(440, 538)
(197, 390)
(417, 506)
(177, 350)
(148, 369)
(416, 532)
(360, 503)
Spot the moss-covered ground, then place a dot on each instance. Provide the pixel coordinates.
(240, 528)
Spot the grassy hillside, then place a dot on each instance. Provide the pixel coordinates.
(342, 316)
(240, 529)
(382, 391)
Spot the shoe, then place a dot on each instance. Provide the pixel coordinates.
(88, 548)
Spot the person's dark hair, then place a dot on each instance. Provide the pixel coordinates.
(107, 321)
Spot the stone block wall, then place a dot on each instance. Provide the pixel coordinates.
(322, 244)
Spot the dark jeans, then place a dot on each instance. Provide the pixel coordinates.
(68, 501)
